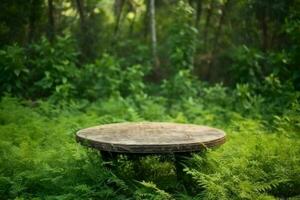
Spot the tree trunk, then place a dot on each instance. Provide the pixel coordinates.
(153, 34)
(35, 17)
(85, 41)
(146, 19)
(32, 21)
(132, 8)
(198, 13)
(51, 25)
(220, 24)
(264, 28)
(131, 27)
(119, 4)
(80, 9)
(224, 9)
(207, 21)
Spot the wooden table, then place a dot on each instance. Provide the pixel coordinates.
(144, 138)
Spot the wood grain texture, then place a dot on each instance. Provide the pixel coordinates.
(150, 137)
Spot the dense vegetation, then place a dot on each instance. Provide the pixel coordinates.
(66, 65)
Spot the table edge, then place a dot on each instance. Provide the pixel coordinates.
(151, 148)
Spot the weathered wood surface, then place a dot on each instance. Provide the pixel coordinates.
(150, 137)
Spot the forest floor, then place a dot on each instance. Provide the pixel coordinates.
(40, 158)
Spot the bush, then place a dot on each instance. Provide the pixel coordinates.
(101, 79)
(106, 78)
(181, 86)
(248, 65)
(55, 70)
(14, 74)
(182, 40)
(40, 70)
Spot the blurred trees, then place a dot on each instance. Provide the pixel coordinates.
(51, 23)
(153, 33)
(226, 41)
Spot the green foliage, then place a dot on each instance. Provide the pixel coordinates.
(46, 70)
(133, 52)
(133, 83)
(291, 28)
(247, 99)
(247, 65)
(12, 30)
(153, 109)
(260, 166)
(101, 79)
(150, 191)
(252, 66)
(258, 161)
(95, 70)
(217, 94)
(183, 85)
(53, 69)
(14, 73)
(182, 38)
(251, 168)
(39, 156)
(106, 78)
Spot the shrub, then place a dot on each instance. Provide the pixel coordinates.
(40, 70)
(101, 79)
(248, 65)
(182, 40)
(106, 78)
(54, 68)
(14, 74)
(182, 86)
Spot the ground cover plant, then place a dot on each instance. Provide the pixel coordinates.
(40, 157)
(233, 65)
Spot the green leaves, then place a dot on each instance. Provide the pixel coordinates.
(258, 161)
(252, 164)
(182, 40)
(107, 78)
(13, 70)
(38, 70)
(182, 85)
(150, 191)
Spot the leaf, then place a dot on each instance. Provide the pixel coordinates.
(17, 72)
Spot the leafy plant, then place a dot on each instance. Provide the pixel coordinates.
(182, 85)
(41, 70)
(182, 38)
(14, 72)
(247, 65)
(54, 67)
(255, 168)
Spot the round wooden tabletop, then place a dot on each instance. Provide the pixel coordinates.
(150, 137)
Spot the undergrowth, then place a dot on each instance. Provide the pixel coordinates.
(40, 158)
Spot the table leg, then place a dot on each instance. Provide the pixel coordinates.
(180, 158)
(108, 158)
(136, 164)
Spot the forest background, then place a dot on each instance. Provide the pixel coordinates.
(231, 64)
